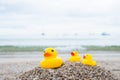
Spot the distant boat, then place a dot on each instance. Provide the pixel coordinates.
(105, 34)
(43, 34)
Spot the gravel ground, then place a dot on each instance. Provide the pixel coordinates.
(69, 71)
(9, 71)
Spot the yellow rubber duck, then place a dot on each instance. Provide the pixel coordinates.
(87, 60)
(50, 59)
(74, 57)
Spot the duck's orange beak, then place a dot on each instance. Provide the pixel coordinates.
(84, 57)
(72, 54)
(47, 54)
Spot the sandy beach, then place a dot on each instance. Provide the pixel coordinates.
(11, 68)
(9, 71)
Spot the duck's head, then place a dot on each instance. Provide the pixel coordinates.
(50, 53)
(74, 53)
(87, 56)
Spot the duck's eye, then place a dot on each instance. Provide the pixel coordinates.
(52, 50)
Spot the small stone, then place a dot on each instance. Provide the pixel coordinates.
(68, 71)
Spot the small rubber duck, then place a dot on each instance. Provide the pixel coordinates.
(74, 57)
(50, 59)
(87, 60)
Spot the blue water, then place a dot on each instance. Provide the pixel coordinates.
(63, 44)
(76, 41)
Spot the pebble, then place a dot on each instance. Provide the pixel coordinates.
(68, 71)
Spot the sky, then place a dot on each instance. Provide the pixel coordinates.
(22, 18)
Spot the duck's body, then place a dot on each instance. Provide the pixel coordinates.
(74, 57)
(50, 59)
(87, 60)
(51, 63)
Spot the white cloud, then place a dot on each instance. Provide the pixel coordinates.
(2, 8)
(32, 17)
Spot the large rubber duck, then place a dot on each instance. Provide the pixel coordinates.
(74, 57)
(50, 59)
(87, 60)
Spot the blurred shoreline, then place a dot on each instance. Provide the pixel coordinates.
(8, 57)
(11, 48)
(26, 53)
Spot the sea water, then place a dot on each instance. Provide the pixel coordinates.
(61, 41)
(63, 44)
